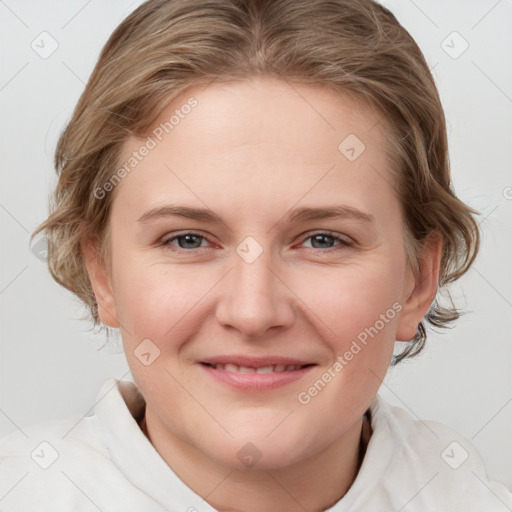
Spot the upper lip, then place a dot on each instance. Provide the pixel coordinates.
(255, 362)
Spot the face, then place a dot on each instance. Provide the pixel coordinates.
(262, 318)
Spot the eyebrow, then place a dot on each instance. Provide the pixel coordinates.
(294, 216)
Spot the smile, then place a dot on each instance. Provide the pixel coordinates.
(251, 369)
(255, 375)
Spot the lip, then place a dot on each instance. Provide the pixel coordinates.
(254, 362)
(255, 382)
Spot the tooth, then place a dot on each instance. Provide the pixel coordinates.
(245, 369)
(233, 368)
(265, 369)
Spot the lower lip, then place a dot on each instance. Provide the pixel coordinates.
(256, 381)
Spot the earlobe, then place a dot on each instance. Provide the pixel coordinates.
(100, 280)
(425, 285)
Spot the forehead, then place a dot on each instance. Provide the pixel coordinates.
(272, 112)
(261, 141)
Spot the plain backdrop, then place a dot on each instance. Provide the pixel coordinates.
(52, 367)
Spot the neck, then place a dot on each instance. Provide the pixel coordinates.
(314, 484)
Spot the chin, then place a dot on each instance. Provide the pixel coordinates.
(261, 451)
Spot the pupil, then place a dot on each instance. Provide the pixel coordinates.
(189, 239)
(321, 238)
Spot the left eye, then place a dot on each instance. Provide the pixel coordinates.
(322, 237)
(189, 239)
(194, 240)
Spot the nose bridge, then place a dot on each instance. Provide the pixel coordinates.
(252, 272)
(256, 300)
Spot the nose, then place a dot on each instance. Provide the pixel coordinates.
(255, 298)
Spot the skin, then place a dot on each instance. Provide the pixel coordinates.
(251, 152)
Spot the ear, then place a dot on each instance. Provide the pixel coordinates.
(420, 291)
(100, 280)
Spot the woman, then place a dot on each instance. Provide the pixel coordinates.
(257, 195)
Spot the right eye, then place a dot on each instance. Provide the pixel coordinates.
(185, 241)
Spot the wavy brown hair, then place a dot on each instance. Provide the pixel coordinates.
(356, 47)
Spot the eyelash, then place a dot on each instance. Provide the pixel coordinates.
(343, 243)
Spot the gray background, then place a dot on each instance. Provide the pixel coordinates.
(52, 366)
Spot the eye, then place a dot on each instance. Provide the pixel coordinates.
(322, 240)
(189, 241)
(185, 241)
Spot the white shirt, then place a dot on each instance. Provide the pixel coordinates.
(105, 462)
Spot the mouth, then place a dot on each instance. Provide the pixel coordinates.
(275, 368)
(256, 374)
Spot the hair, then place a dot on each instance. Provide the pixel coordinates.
(358, 48)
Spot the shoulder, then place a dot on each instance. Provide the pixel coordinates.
(82, 464)
(434, 442)
(70, 432)
(69, 464)
(430, 464)
(37, 463)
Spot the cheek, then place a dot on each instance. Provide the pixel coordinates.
(350, 299)
(157, 301)
(361, 314)
(357, 311)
